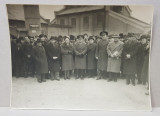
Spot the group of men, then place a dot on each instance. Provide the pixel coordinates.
(104, 57)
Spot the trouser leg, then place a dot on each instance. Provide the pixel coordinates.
(99, 75)
(43, 77)
(139, 78)
(68, 74)
(39, 78)
(115, 77)
(110, 76)
(52, 75)
(127, 79)
(57, 76)
(133, 79)
(65, 75)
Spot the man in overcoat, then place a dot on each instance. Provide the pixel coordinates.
(91, 60)
(129, 59)
(67, 57)
(102, 56)
(140, 56)
(27, 50)
(114, 50)
(19, 58)
(80, 49)
(53, 53)
(41, 65)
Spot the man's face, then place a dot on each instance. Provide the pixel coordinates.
(116, 39)
(104, 36)
(43, 39)
(86, 36)
(81, 39)
(22, 41)
(39, 44)
(67, 40)
(53, 41)
(144, 41)
(91, 41)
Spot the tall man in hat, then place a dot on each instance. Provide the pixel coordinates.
(80, 49)
(114, 50)
(27, 50)
(91, 60)
(140, 56)
(101, 55)
(41, 65)
(129, 59)
(53, 53)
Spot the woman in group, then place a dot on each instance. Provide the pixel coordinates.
(80, 49)
(91, 60)
(40, 58)
(67, 57)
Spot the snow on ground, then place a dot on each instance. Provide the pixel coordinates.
(74, 94)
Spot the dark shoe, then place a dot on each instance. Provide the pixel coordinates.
(133, 84)
(39, 81)
(98, 78)
(115, 80)
(44, 80)
(109, 80)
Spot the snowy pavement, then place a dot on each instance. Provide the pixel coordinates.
(87, 94)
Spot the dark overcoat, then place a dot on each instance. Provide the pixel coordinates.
(145, 68)
(53, 50)
(140, 57)
(129, 65)
(91, 60)
(27, 50)
(39, 55)
(67, 56)
(19, 60)
(80, 49)
(13, 50)
(101, 53)
(114, 63)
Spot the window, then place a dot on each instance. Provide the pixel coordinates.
(86, 22)
(73, 22)
(117, 9)
(99, 20)
(62, 22)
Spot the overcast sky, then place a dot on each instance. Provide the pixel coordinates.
(143, 13)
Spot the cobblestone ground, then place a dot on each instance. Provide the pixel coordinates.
(74, 94)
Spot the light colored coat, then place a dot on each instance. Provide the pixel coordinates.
(114, 63)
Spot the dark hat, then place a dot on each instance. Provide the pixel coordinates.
(72, 37)
(98, 37)
(38, 40)
(143, 37)
(53, 38)
(103, 33)
(91, 37)
(41, 35)
(130, 35)
(85, 34)
(80, 36)
(18, 41)
(121, 35)
(66, 37)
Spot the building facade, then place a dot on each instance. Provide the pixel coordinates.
(26, 20)
(94, 19)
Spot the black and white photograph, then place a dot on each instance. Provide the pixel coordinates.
(80, 57)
